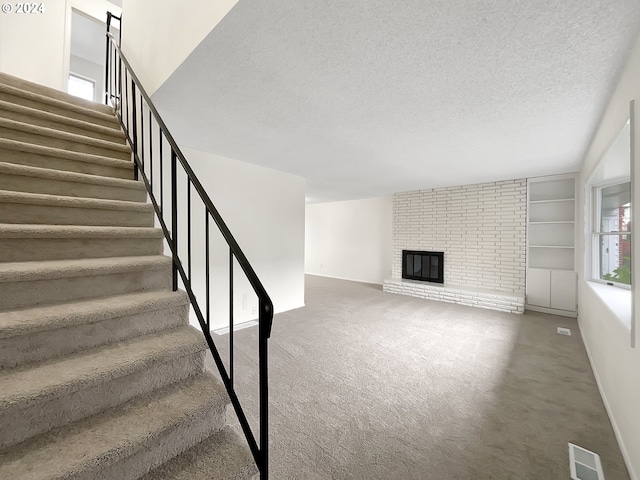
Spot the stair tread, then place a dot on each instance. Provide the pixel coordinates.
(62, 135)
(63, 175)
(54, 117)
(18, 230)
(222, 455)
(77, 202)
(110, 436)
(37, 319)
(91, 109)
(29, 384)
(62, 153)
(53, 269)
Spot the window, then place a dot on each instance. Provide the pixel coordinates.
(612, 234)
(82, 87)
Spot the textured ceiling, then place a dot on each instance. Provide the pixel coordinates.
(369, 97)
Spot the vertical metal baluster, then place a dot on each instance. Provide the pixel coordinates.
(174, 217)
(120, 83)
(107, 86)
(106, 67)
(150, 152)
(231, 315)
(135, 129)
(112, 73)
(189, 229)
(264, 392)
(126, 100)
(206, 261)
(161, 175)
(142, 132)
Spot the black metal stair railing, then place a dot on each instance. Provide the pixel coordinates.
(132, 105)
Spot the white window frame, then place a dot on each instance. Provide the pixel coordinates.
(86, 79)
(596, 210)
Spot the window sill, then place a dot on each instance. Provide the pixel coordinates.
(617, 299)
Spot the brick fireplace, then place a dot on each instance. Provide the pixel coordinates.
(481, 231)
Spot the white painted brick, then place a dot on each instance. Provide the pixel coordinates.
(481, 229)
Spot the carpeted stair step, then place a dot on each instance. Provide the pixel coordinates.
(25, 243)
(41, 102)
(123, 443)
(36, 96)
(55, 94)
(35, 208)
(22, 178)
(42, 333)
(30, 284)
(22, 153)
(34, 116)
(28, 133)
(224, 455)
(37, 398)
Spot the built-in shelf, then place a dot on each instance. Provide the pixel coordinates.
(560, 188)
(551, 214)
(551, 234)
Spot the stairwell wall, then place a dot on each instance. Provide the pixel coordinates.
(264, 209)
(157, 35)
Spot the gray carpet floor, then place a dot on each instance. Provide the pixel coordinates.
(370, 385)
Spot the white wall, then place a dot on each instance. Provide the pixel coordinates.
(36, 47)
(614, 362)
(157, 35)
(32, 46)
(615, 164)
(350, 240)
(264, 209)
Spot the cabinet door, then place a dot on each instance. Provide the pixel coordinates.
(539, 287)
(563, 290)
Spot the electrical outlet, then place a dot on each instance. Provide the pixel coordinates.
(564, 331)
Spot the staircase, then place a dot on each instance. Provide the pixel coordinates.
(101, 377)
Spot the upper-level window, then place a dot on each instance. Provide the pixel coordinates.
(82, 87)
(612, 234)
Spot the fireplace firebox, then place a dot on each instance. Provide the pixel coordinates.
(424, 266)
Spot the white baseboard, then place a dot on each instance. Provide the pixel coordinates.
(552, 311)
(344, 278)
(239, 326)
(616, 430)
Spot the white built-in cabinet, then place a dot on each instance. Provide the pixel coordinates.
(551, 232)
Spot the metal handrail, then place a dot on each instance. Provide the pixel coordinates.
(123, 86)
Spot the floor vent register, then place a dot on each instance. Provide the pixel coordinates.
(585, 465)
